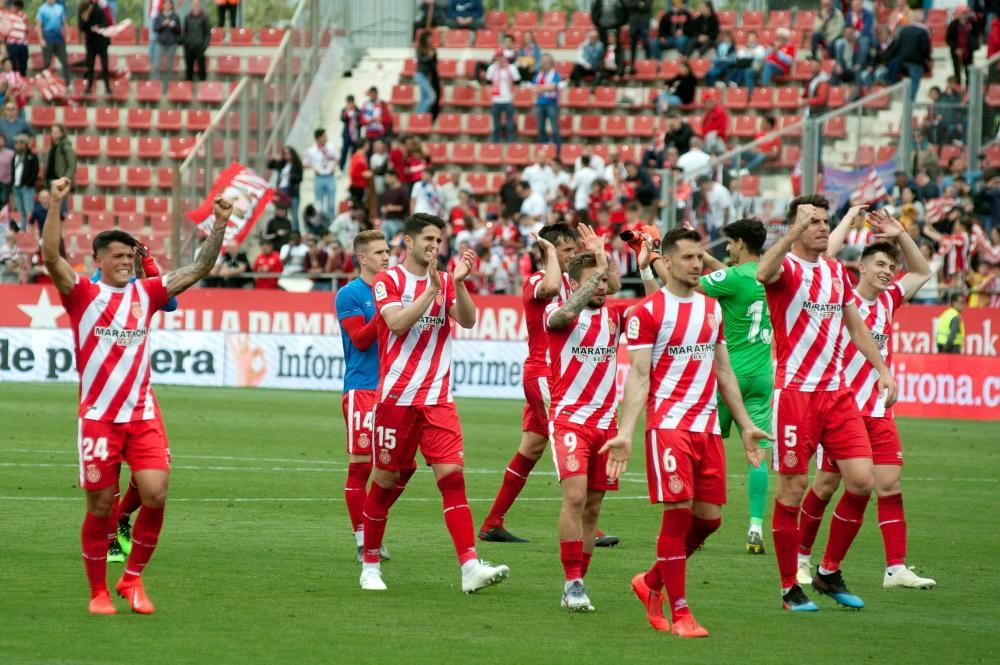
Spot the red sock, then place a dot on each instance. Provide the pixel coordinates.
(145, 533)
(671, 559)
(810, 517)
(585, 564)
(458, 516)
(698, 532)
(404, 478)
(785, 532)
(893, 525)
(355, 491)
(375, 514)
(95, 536)
(130, 502)
(514, 479)
(847, 519)
(571, 555)
(653, 578)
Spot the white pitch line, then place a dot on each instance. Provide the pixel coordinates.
(301, 499)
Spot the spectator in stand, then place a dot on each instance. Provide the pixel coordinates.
(828, 26)
(508, 199)
(748, 63)
(639, 13)
(529, 56)
(559, 177)
(540, 176)
(887, 67)
(91, 21)
(953, 110)
(278, 228)
(614, 170)
(533, 206)
(780, 59)
(863, 22)
(722, 60)
(60, 161)
(817, 92)
(197, 36)
(607, 16)
(12, 124)
(431, 14)
(17, 37)
(228, 8)
(348, 225)
(768, 150)
(289, 169)
(395, 205)
(582, 182)
(612, 62)
(339, 261)
(426, 72)
(467, 14)
(502, 77)
(913, 48)
(589, 56)
(963, 40)
(321, 159)
(268, 261)
(360, 175)
(547, 103)
(716, 208)
(851, 62)
(425, 197)
(51, 24)
(703, 30)
(673, 28)
(466, 211)
(378, 162)
(950, 327)
(230, 270)
(595, 160)
(40, 210)
(24, 173)
(715, 124)
(10, 259)
(376, 118)
(695, 161)
(293, 254)
(350, 133)
(314, 263)
(679, 90)
(6, 172)
(678, 133)
(414, 162)
(168, 34)
(315, 221)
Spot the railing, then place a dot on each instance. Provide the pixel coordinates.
(983, 124)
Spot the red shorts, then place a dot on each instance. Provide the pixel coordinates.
(401, 430)
(574, 450)
(359, 407)
(103, 446)
(682, 465)
(887, 449)
(801, 421)
(536, 406)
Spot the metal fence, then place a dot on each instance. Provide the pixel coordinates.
(253, 123)
(984, 109)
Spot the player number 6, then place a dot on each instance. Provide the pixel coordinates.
(92, 448)
(669, 461)
(386, 437)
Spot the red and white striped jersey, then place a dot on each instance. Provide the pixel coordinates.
(110, 332)
(955, 247)
(415, 368)
(682, 332)
(583, 358)
(859, 373)
(807, 313)
(860, 238)
(537, 362)
(16, 28)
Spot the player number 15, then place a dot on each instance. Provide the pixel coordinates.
(386, 437)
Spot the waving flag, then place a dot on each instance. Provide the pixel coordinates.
(250, 194)
(937, 209)
(871, 191)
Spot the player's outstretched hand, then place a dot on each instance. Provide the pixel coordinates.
(434, 278)
(887, 387)
(222, 208)
(646, 252)
(855, 212)
(464, 266)
(886, 226)
(751, 445)
(543, 245)
(591, 241)
(619, 449)
(59, 190)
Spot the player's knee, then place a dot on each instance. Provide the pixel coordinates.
(860, 484)
(791, 489)
(825, 485)
(888, 487)
(574, 500)
(532, 446)
(155, 497)
(385, 478)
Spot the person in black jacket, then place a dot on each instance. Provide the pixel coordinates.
(678, 133)
(702, 30)
(612, 62)
(24, 174)
(197, 35)
(963, 41)
(912, 47)
(167, 26)
(640, 13)
(289, 169)
(607, 16)
(92, 20)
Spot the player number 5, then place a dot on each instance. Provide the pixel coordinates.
(92, 448)
(791, 437)
(386, 437)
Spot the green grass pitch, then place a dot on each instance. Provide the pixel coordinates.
(257, 564)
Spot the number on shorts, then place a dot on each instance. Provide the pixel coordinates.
(669, 461)
(386, 437)
(791, 437)
(569, 438)
(95, 449)
(369, 417)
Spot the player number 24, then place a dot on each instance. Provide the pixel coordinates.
(386, 437)
(95, 448)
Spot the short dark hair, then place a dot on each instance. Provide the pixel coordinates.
(674, 236)
(817, 200)
(524, 184)
(417, 222)
(104, 239)
(350, 98)
(887, 248)
(318, 133)
(556, 232)
(955, 296)
(751, 231)
(581, 262)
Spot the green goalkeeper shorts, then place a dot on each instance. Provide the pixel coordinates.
(757, 392)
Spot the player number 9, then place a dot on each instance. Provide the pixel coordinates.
(569, 439)
(92, 448)
(669, 461)
(386, 437)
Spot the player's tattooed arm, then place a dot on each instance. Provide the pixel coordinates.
(182, 279)
(59, 269)
(571, 309)
(862, 338)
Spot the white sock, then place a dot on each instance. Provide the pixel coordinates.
(370, 566)
(359, 537)
(803, 557)
(824, 571)
(570, 583)
(755, 528)
(892, 570)
(469, 566)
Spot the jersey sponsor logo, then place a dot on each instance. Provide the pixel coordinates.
(137, 310)
(691, 351)
(572, 464)
(593, 354)
(880, 340)
(380, 292)
(821, 310)
(93, 474)
(633, 328)
(675, 484)
(120, 336)
(717, 276)
(425, 323)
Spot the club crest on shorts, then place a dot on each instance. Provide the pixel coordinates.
(572, 464)
(137, 310)
(791, 459)
(93, 473)
(675, 484)
(363, 440)
(384, 457)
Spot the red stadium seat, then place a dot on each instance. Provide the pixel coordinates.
(496, 20)
(789, 98)
(119, 147)
(169, 120)
(581, 20)
(228, 65)
(137, 64)
(270, 36)
(524, 98)
(566, 127)
(645, 126)
(477, 182)
(727, 19)
(138, 177)
(577, 98)
(126, 37)
(198, 120)
(488, 39)
(669, 69)
(180, 92)
(148, 91)
(120, 90)
(241, 37)
(616, 126)
(402, 95)
(108, 118)
(463, 153)
(437, 151)
(574, 37)
(865, 156)
(590, 126)
(88, 147)
(258, 65)
(449, 124)
(109, 176)
(164, 175)
(645, 70)
(836, 128)
(210, 93)
(804, 19)
(554, 20)
(133, 223)
(457, 39)
(838, 96)
(790, 156)
(777, 18)
(491, 154)
(752, 20)
(156, 205)
(526, 20)
(409, 67)
(75, 117)
(570, 152)
(528, 126)
(180, 146)
(746, 126)
(139, 120)
(447, 68)
(465, 96)
(150, 147)
(42, 117)
(478, 124)
(123, 204)
(885, 153)
(750, 185)
(547, 38)
(81, 177)
(419, 123)
(94, 204)
(737, 99)
(700, 67)
(518, 154)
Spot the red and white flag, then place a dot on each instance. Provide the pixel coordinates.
(871, 191)
(113, 31)
(250, 194)
(937, 209)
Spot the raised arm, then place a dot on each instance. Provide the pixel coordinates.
(463, 311)
(59, 269)
(769, 268)
(548, 288)
(594, 243)
(729, 389)
(646, 255)
(839, 235)
(711, 263)
(862, 338)
(184, 278)
(918, 271)
(636, 389)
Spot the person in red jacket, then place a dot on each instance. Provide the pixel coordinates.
(360, 174)
(267, 261)
(781, 57)
(817, 92)
(715, 124)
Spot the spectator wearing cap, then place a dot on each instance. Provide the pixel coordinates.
(780, 59)
(468, 14)
(24, 173)
(588, 59)
(547, 103)
(502, 76)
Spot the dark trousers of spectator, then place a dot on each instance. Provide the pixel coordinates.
(347, 148)
(18, 54)
(93, 54)
(961, 68)
(579, 72)
(194, 60)
(818, 40)
(57, 49)
(505, 110)
(227, 9)
(639, 32)
(916, 73)
(548, 114)
(358, 197)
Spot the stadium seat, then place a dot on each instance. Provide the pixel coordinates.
(210, 93)
(137, 64)
(491, 154)
(169, 120)
(81, 177)
(447, 68)
(750, 186)
(727, 19)
(228, 65)
(788, 98)
(804, 19)
(645, 126)
(496, 20)
(120, 90)
(566, 126)
(258, 65)
(836, 128)
(948, 152)
(737, 99)
(865, 156)
(786, 121)
(570, 152)
(139, 119)
(477, 182)
(164, 175)
(555, 20)
(150, 147)
(180, 92)
(123, 204)
(241, 37)
(464, 96)
(574, 37)
(437, 151)
(75, 117)
(419, 123)
(127, 37)
(42, 117)
(138, 177)
(518, 154)
(885, 153)
(589, 127)
(528, 127)
(148, 91)
(156, 205)
(616, 126)
(108, 118)
(524, 98)
(91, 204)
(547, 38)
(109, 177)
(457, 39)
(790, 156)
(746, 126)
(402, 95)
(119, 147)
(478, 124)
(581, 20)
(577, 98)
(993, 94)
(762, 99)
(270, 36)
(449, 124)
(645, 70)
(527, 20)
(880, 103)
(88, 147)
(198, 120)
(463, 153)
(133, 223)
(777, 18)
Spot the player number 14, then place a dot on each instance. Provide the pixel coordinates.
(95, 448)
(369, 417)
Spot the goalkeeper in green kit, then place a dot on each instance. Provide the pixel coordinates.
(748, 336)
